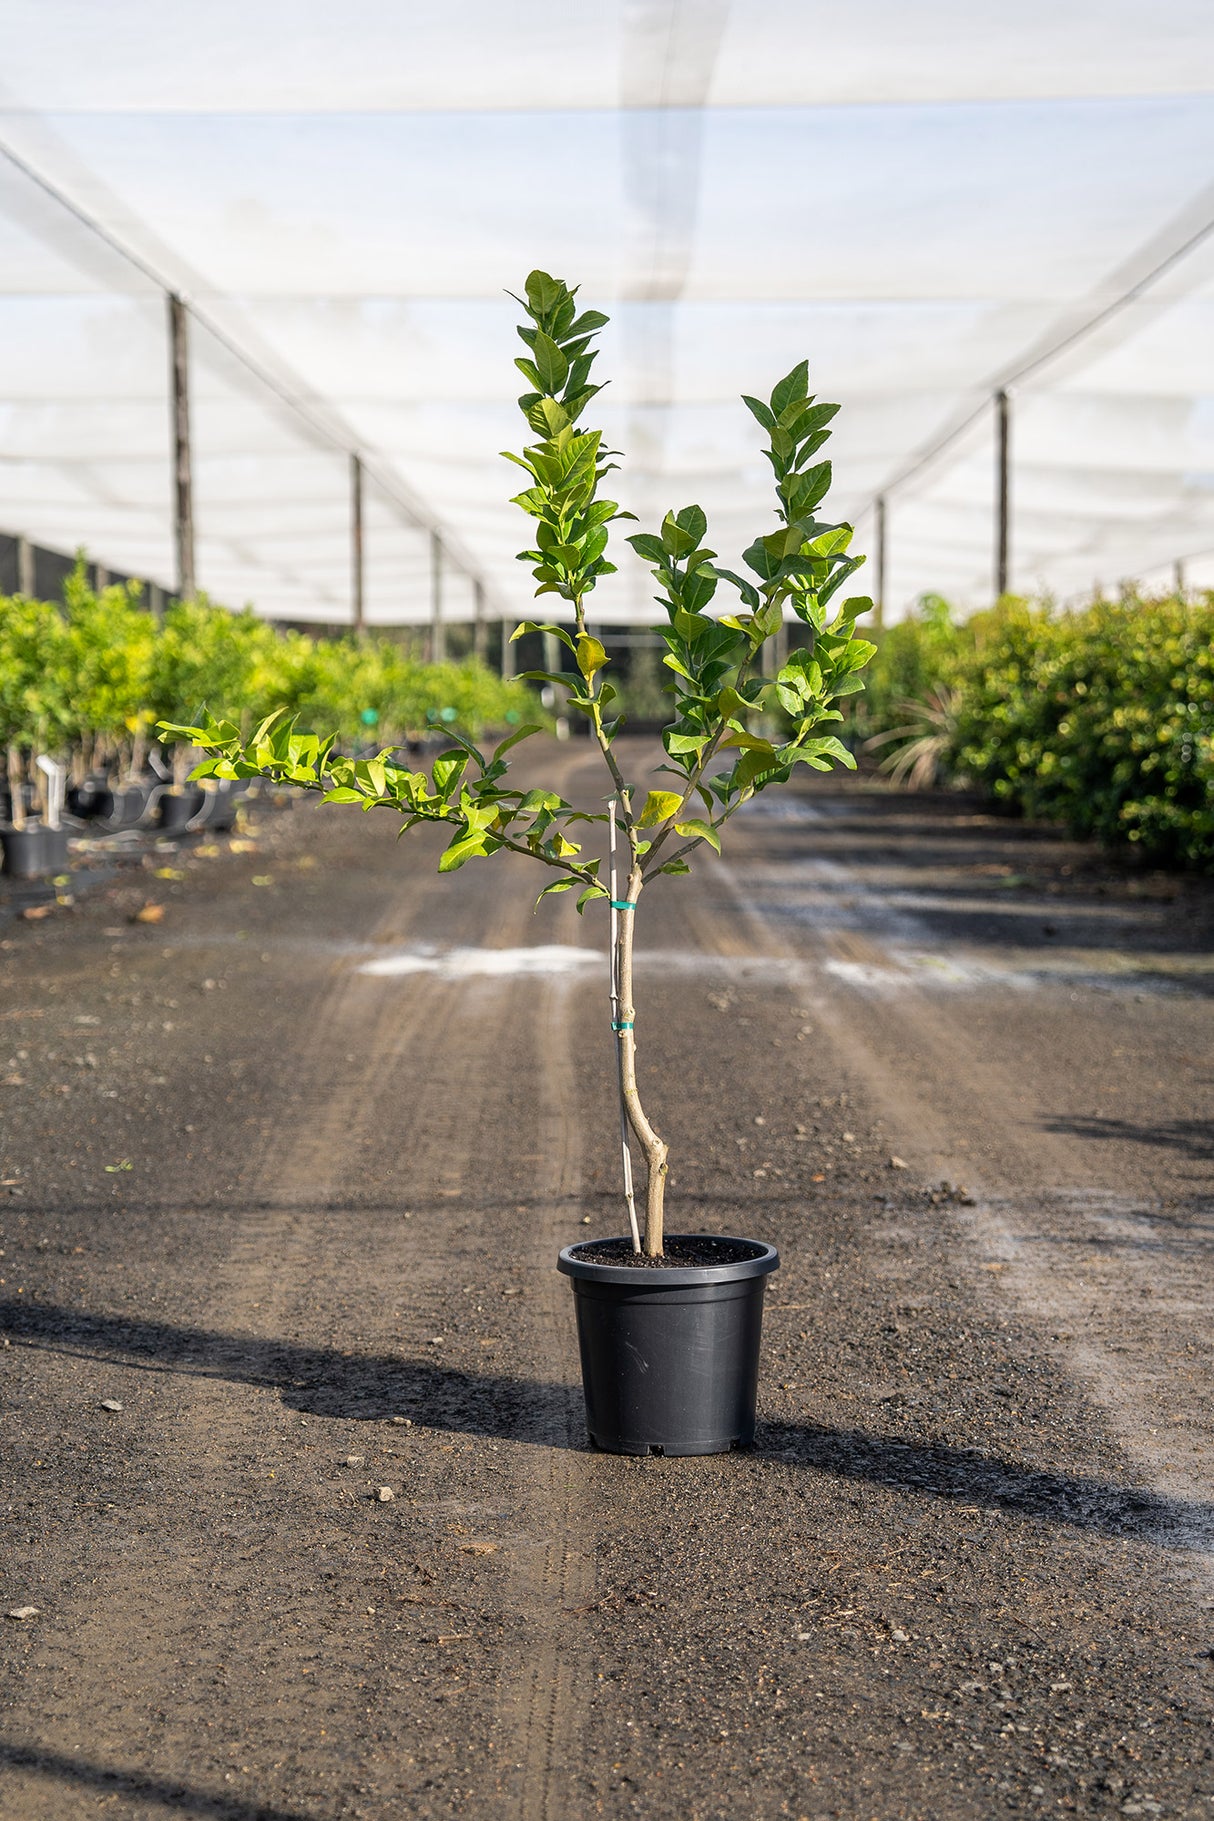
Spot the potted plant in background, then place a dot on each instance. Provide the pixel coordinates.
(668, 1324)
(111, 640)
(35, 681)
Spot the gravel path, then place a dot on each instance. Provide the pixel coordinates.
(284, 1175)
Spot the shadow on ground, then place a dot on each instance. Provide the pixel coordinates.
(323, 1382)
(1188, 1137)
(169, 1792)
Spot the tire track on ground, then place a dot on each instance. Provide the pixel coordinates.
(932, 1069)
(540, 1709)
(150, 1619)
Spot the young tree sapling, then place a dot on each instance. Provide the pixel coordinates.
(714, 759)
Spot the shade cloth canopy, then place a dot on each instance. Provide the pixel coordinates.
(931, 202)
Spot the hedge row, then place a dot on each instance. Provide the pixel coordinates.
(1101, 718)
(93, 676)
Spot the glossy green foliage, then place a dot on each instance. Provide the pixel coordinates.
(110, 642)
(101, 666)
(918, 655)
(36, 678)
(567, 464)
(719, 691)
(465, 789)
(1101, 718)
(712, 656)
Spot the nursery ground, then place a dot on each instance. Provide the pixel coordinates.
(284, 1175)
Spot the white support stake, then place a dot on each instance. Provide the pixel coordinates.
(629, 1196)
(56, 782)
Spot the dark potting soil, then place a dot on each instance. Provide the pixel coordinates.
(680, 1252)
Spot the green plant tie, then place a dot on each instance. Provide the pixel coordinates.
(623, 904)
(621, 1024)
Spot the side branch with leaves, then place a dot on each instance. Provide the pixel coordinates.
(718, 691)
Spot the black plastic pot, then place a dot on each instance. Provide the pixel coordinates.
(33, 851)
(122, 806)
(24, 851)
(670, 1356)
(89, 799)
(219, 805)
(54, 849)
(177, 809)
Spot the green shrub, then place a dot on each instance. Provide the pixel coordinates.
(1101, 718)
(86, 681)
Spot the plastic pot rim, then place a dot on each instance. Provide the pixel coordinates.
(675, 1277)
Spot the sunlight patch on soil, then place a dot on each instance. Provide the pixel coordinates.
(547, 959)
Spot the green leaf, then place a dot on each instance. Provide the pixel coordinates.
(588, 323)
(675, 541)
(676, 743)
(558, 885)
(759, 558)
(659, 806)
(692, 520)
(591, 892)
(698, 589)
(464, 847)
(675, 866)
(794, 385)
(758, 409)
(647, 546)
(590, 656)
(826, 746)
(520, 733)
(342, 794)
(804, 491)
(747, 590)
(544, 293)
(695, 826)
(550, 364)
(730, 704)
(754, 762)
(448, 768)
(846, 568)
(542, 626)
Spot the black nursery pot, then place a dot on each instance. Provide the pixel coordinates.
(33, 851)
(670, 1354)
(177, 809)
(25, 855)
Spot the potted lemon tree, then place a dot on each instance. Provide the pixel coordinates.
(669, 1324)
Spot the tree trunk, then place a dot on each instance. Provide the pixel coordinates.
(654, 1147)
(16, 786)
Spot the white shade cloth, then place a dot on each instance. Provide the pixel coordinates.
(924, 200)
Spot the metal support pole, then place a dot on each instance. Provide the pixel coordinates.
(478, 627)
(1178, 576)
(508, 652)
(1003, 435)
(879, 592)
(356, 541)
(101, 577)
(183, 478)
(26, 582)
(438, 633)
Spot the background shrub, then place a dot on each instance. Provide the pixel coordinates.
(1101, 718)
